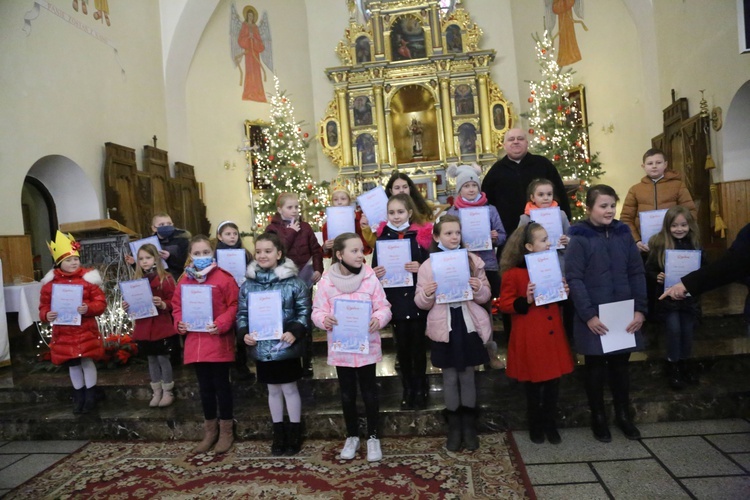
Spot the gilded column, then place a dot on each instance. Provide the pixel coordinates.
(346, 133)
(445, 98)
(377, 34)
(382, 132)
(437, 32)
(484, 114)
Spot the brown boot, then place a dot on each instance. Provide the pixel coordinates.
(210, 435)
(226, 436)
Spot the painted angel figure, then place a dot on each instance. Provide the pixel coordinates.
(562, 10)
(253, 41)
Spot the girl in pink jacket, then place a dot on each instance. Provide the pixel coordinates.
(349, 279)
(458, 331)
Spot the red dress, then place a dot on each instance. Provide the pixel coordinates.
(538, 350)
(160, 326)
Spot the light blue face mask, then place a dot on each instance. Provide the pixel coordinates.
(402, 227)
(201, 263)
(446, 249)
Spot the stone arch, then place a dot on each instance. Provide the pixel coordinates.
(74, 196)
(735, 147)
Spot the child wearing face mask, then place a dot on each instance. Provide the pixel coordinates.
(75, 346)
(458, 332)
(173, 241)
(155, 335)
(538, 352)
(349, 278)
(212, 352)
(405, 223)
(679, 232)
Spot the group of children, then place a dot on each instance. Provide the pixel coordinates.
(603, 264)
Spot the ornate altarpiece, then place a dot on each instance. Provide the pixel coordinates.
(413, 93)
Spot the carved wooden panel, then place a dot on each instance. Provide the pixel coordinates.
(193, 208)
(121, 189)
(735, 206)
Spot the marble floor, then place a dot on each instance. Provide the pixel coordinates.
(707, 459)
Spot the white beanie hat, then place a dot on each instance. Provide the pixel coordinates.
(464, 174)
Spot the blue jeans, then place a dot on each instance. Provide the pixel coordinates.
(679, 326)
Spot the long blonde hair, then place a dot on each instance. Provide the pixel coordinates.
(515, 247)
(153, 252)
(663, 240)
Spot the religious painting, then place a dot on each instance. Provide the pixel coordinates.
(362, 110)
(453, 42)
(362, 49)
(498, 116)
(332, 134)
(407, 39)
(743, 20)
(253, 42)
(561, 11)
(467, 139)
(577, 114)
(366, 149)
(464, 99)
(257, 146)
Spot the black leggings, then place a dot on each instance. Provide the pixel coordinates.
(411, 346)
(615, 369)
(348, 386)
(215, 390)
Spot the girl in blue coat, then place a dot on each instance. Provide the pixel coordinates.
(278, 361)
(603, 265)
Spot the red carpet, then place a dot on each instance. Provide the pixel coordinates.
(411, 468)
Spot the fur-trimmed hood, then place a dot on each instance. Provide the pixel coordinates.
(284, 270)
(587, 229)
(89, 275)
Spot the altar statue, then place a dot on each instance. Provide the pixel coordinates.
(415, 131)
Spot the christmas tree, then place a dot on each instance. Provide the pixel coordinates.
(556, 127)
(282, 167)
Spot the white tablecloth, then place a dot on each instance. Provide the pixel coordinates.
(23, 299)
(4, 345)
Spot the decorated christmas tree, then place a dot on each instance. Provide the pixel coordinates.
(557, 129)
(282, 167)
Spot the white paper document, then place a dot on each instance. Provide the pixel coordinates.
(551, 221)
(232, 260)
(393, 255)
(475, 228)
(374, 204)
(339, 220)
(678, 263)
(616, 316)
(154, 240)
(651, 222)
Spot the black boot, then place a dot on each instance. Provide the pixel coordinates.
(599, 424)
(407, 397)
(419, 396)
(534, 412)
(595, 372)
(293, 439)
(625, 423)
(549, 410)
(89, 402)
(453, 443)
(469, 428)
(689, 371)
(619, 383)
(79, 396)
(674, 375)
(279, 439)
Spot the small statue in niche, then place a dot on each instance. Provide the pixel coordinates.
(415, 131)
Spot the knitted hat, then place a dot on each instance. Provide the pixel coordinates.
(464, 174)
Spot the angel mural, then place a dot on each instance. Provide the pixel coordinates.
(248, 39)
(562, 10)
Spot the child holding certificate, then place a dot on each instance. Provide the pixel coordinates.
(469, 195)
(538, 352)
(340, 197)
(679, 232)
(603, 266)
(274, 326)
(405, 223)
(210, 347)
(155, 335)
(458, 331)
(349, 280)
(228, 238)
(75, 346)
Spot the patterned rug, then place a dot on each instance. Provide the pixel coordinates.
(411, 468)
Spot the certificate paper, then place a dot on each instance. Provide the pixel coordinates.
(544, 272)
(651, 222)
(137, 293)
(339, 220)
(232, 260)
(550, 220)
(374, 204)
(351, 334)
(154, 240)
(66, 299)
(264, 315)
(197, 307)
(393, 255)
(451, 273)
(678, 263)
(616, 316)
(475, 228)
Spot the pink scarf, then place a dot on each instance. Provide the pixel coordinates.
(459, 202)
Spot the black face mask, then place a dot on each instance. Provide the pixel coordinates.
(353, 270)
(164, 232)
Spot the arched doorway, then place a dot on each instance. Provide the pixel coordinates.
(39, 222)
(414, 104)
(736, 148)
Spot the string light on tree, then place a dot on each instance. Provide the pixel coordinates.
(283, 166)
(556, 129)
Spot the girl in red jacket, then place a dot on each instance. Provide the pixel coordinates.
(75, 346)
(210, 352)
(156, 336)
(538, 352)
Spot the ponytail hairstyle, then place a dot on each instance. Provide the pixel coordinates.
(408, 203)
(158, 264)
(437, 229)
(339, 243)
(515, 247)
(663, 240)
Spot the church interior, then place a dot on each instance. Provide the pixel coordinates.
(160, 106)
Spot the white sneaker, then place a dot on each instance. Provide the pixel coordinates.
(374, 453)
(350, 448)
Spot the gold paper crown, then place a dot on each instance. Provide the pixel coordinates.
(63, 247)
(340, 185)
